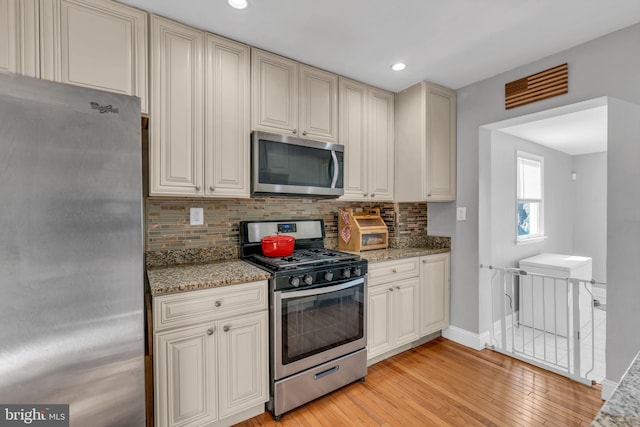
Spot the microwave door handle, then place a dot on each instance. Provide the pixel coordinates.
(336, 169)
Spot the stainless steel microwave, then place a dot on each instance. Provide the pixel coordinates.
(286, 165)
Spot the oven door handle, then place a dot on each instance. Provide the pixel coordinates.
(322, 290)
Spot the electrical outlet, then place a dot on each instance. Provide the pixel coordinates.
(196, 216)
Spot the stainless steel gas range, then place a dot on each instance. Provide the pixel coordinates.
(318, 316)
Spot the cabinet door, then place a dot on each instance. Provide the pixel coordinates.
(185, 373)
(381, 322)
(407, 305)
(177, 111)
(353, 135)
(381, 144)
(243, 372)
(441, 144)
(434, 274)
(8, 36)
(274, 93)
(20, 37)
(102, 45)
(318, 104)
(227, 126)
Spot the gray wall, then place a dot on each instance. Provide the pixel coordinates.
(607, 66)
(558, 201)
(590, 211)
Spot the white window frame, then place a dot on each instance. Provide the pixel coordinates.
(540, 235)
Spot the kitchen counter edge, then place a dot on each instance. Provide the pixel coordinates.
(623, 407)
(181, 278)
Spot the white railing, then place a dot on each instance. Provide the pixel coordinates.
(547, 321)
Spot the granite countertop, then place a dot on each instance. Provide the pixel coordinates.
(623, 407)
(390, 254)
(181, 278)
(201, 274)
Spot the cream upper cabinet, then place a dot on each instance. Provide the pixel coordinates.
(20, 37)
(318, 104)
(381, 150)
(98, 44)
(176, 140)
(227, 121)
(435, 292)
(293, 99)
(426, 144)
(367, 133)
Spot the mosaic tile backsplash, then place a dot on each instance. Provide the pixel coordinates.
(168, 231)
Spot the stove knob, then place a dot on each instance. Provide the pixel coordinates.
(294, 281)
(357, 271)
(328, 276)
(307, 279)
(346, 273)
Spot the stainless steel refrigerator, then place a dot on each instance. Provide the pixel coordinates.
(71, 252)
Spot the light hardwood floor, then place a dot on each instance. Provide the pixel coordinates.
(443, 383)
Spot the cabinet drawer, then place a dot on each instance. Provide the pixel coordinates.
(387, 271)
(208, 304)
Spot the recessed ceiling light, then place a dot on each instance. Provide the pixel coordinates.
(398, 67)
(238, 4)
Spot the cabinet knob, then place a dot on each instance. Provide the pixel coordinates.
(226, 328)
(390, 289)
(197, 188)
(212, 188)
(210, 331)
(218, 303)
(294, 131)
(398, 287)
(424, 261)
(304, 133)
(373, 194)
(429, 195)
(394, 271)
(365, 195)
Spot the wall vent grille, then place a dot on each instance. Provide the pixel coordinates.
(542, 85)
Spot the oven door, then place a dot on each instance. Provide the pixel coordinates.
(312, 326)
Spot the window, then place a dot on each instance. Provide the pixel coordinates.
(530, 208)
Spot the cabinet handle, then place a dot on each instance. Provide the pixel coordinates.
(294, 131)
(373, 194)
(218, 303)
(304, 133)
(210, 331)
(390, 289)
(394, 271)
(197, 188)
(226, 328)
(212, 188)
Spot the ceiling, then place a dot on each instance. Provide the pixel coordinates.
(450, 42)
(581, 132)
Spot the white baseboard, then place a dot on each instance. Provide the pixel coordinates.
(608, 387)
(464, 337)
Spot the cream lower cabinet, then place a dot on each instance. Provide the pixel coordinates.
(367, 133)
(211, 355)
(434, 292)
(393, 305)
(199, 135)
(426, 144)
